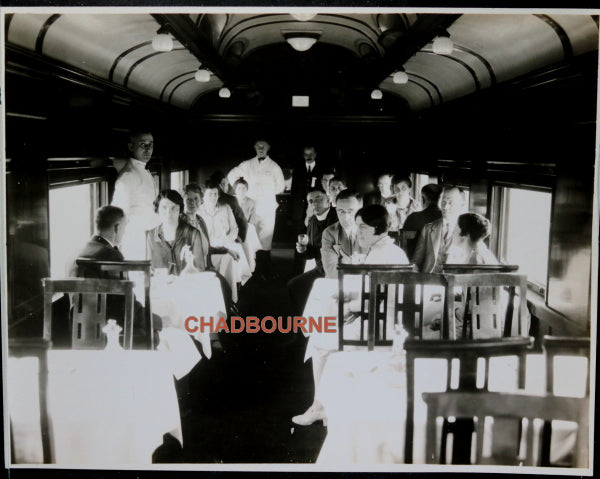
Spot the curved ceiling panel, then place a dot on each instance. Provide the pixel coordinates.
(582, 31)
(512, 44)
(24, 29)
(186, 93)
(159, 69)
(417, 97)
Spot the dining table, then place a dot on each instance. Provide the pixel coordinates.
(107, 408)
(365, 392)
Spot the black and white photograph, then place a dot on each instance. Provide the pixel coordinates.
(299, 238)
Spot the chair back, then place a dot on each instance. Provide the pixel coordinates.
(406, 239)
(373, 307)
(38, 348)
(507, 434)
(103, 269)
(90, 309)
(468, 353)
(409, 296)
(479, 268)
(487, 311)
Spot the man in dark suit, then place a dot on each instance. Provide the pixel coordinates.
(430, 198)
(324, 215)
(339, 242)
(225, 198)
(306, 175)
(111, 223)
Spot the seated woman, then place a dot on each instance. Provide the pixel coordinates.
(471, 249)
(165, 243)
(372, 235)
(252, 243)
(222, 232)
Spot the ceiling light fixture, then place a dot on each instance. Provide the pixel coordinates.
(301, 41)
(376, 94)
(443, 45)
(400, 77)
(303, 16)
(162, 41)
(202, 75)
(224, 92)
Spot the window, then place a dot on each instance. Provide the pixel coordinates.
(71, 210)
(179, 179)
(524, 232)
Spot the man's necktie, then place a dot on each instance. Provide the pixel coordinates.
(446, 233)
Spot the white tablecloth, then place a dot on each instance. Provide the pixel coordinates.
(364, 394)
(106, 408)
(175, 299)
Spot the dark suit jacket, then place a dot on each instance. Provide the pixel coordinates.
(315, 232)
(301, 184)
(238, 213)
(99, 249)
(415, 222)
(426, 252)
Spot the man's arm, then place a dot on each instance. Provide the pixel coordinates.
(240, 218)
(279, 179)
(420, 249)
(236, 173)
(329, 257)
(122, 194)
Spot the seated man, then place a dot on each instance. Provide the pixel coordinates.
(111, 223)
(339, 241)
(372, 234)
(299, 287)
(430, 197)
(336, 184)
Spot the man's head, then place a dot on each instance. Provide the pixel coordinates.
(348, 203)
(111, 223)
(452, 202)
(317, 198)
(141, 145)
(373, 222)
(192, 197)
(262, 148)
(220, 178)
(310, 154)
(430, 194)
(336, 184)
(384, 184)
(401, 186)
(327, 175)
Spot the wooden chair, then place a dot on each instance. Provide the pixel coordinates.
(505, 409)
(484, 306)
(561, 346)
(479, 268)
(410, 304)
(102, 269)
(38, 348)
(373, 307)
(89, 309)
(467, 352)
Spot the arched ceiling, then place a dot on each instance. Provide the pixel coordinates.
(354, 53)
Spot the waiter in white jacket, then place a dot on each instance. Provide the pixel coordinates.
(265, 181)
(135, 193)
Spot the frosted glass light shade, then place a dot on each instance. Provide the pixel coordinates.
(300, 43)
(443, 46)
(400, 78)
(162, 42)
(202, 75)
(303, 16)
(224, 92)
(376, 94)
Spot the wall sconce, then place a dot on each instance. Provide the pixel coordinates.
(162, 41)
(202, 75)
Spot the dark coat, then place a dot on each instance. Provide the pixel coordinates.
(315, 234)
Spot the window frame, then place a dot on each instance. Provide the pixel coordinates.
(499, 201)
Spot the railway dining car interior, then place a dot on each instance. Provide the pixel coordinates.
(340, 238)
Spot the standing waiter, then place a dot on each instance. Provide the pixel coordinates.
(265, 181)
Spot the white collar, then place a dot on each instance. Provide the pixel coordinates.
(138, 163)
(324, 215)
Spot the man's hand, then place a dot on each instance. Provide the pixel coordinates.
(300, 248)
(351, 316)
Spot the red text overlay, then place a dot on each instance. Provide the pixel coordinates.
(268, 324)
